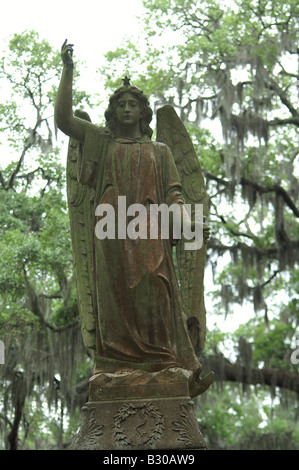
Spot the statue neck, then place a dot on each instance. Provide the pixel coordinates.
(129, 131)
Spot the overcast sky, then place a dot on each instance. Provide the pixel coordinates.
(93, 26)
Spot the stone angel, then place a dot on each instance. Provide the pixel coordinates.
(137, 312)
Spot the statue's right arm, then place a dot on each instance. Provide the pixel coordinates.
(65, 120)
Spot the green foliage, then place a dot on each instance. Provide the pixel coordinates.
(224, 423)
(39, 321)
(250, 421)
(269, 349)
(228, 72)
(233, 68)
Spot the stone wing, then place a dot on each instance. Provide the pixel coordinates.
(80, 203)
(191, 263)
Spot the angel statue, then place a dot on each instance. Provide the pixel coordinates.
(136, 313)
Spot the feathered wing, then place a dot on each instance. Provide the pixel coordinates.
(191, 263)
(80, 203)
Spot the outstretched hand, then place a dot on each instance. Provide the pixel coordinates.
(67, 53)
(206, 232)
(204, 227)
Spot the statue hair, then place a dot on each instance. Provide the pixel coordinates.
(146, 111)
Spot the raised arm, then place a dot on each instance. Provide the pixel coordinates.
(64, 117)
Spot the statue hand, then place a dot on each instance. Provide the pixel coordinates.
(205, 229)
(67, 53)
(206, 232)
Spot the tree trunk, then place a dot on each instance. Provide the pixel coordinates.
(13, 439)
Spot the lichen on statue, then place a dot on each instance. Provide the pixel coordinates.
(131, 307)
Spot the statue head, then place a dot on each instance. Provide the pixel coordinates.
(146, 111)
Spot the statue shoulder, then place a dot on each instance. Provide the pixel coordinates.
(88, 126)
(165, 154)
(163, 148)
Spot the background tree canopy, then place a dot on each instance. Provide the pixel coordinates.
(232, 73)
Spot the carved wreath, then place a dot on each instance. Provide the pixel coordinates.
(147, 424)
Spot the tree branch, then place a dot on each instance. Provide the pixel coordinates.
(30, 140)
(53, 296)
(283, 122)
(270, 278)
(284, 99)
(2, 181)
(273, 251)
(231, 230)
(19, 164)
(260, 189)
(35, 308)
(19, 408)
(224, 370)
(274, 188)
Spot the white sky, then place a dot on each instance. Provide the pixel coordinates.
(93, 26)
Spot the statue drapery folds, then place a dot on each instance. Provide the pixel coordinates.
(136, 312)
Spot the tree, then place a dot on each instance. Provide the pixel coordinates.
(236, 64)
(232, 64)
(38, 311)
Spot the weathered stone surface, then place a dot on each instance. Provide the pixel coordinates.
(137, 316)
(139, 384)
(158, 424)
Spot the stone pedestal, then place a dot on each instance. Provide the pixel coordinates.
(139, 411)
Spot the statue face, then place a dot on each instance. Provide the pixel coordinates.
(128, 110)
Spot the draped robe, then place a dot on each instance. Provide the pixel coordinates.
(139, 318)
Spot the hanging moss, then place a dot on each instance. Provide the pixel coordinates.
(268, 441)
(42, 359)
